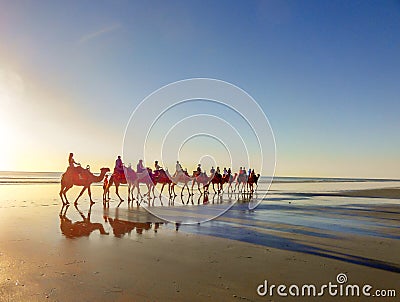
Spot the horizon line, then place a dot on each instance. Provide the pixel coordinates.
(286, 176)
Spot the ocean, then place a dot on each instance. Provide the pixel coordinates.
(17, 177)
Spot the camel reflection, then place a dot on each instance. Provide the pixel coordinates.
(121, 227)
(79, 228)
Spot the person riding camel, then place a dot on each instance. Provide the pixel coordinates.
(225, 171)
(74, 169)
(157, 167)
(198, 169)
(71, 161)
(212, 171)
(218, 172)
(140, 167)
(119, 167)
(178, 168)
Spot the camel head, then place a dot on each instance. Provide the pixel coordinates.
(104, 170)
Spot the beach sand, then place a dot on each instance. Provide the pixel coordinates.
(142, 262)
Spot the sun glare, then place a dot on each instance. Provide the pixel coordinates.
(11, 89)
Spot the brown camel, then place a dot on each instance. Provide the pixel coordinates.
(252, 180)
(117, 179)
(85, 178)
(160, 177)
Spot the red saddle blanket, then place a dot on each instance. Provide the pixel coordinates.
(120, 177)
(80, 178)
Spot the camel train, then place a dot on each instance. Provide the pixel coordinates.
(78, 176)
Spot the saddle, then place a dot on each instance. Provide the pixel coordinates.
(78, 174)
(119, 176)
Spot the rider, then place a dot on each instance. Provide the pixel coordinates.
(71, 168)
(212, 171)
(71, 161)
(157, 166)
(225, 171)
(178, 167)
(139, 167)
(198, 169)
(119, 168)
(218, 172)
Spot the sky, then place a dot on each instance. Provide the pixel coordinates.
(325, 73)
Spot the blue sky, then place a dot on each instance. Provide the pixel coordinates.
(326, 73)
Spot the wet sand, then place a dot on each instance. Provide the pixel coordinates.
(128, 255)
(392, 193)
(374, 193)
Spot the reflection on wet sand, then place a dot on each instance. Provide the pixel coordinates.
(121, 227)
(79, 228)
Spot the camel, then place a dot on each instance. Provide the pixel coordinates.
(161, 177)
(220, 180)
(71, 178)
(201, 178)
(117, 179)
(232, 178)
(180, 177)
(253, 179)
(225, 179)
(241, 180)
(134, 179)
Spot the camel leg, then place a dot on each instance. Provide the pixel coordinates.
(65, 193)
(80, 194)
(162, 189)
(116, 191)
(214, 188)
(129, 194)
(138, 190)
(131, 189)
(62, 189)
(148, 191)
(90, 196)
